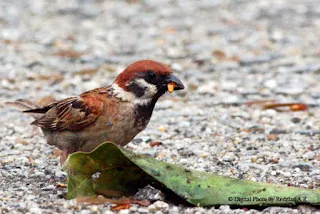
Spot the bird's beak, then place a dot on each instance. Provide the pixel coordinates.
(174, 84)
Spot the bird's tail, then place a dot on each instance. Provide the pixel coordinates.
(23, 105)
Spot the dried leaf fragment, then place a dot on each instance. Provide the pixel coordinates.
(219, 54)
(120, 204)
(120, 207)
(273, 137)
(90, 71)
(259, 102)
(299, 107)
(291, 106)
(70, 53)
(152, 144)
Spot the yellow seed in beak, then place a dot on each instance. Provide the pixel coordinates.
(171, 86)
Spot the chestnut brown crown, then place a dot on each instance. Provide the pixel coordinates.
(148, 78)
(137, 68)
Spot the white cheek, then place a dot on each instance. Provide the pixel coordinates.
(120, 93)
(129, 97)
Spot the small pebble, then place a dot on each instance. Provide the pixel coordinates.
(143, 210)
(127, 211)
(309, 155)
(295, 120)
(228, 158)
(159, 206)
(224, 208)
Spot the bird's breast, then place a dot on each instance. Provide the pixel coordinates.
(120, 127)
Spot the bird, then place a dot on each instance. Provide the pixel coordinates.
(115, 113)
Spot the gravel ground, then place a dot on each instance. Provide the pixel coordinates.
(226, 52)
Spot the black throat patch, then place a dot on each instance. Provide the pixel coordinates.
(143, 113)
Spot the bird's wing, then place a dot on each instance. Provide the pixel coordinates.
(102, 90)
(73, 113)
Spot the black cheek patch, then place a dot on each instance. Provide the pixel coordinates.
(136, 89)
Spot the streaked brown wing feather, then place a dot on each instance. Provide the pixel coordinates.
(74, 113)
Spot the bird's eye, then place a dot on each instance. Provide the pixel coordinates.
(151, 75)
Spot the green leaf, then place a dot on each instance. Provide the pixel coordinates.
(112, 171)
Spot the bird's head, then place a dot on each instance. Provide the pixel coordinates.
(144, 81)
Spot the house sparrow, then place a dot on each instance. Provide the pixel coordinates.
(114, 113)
